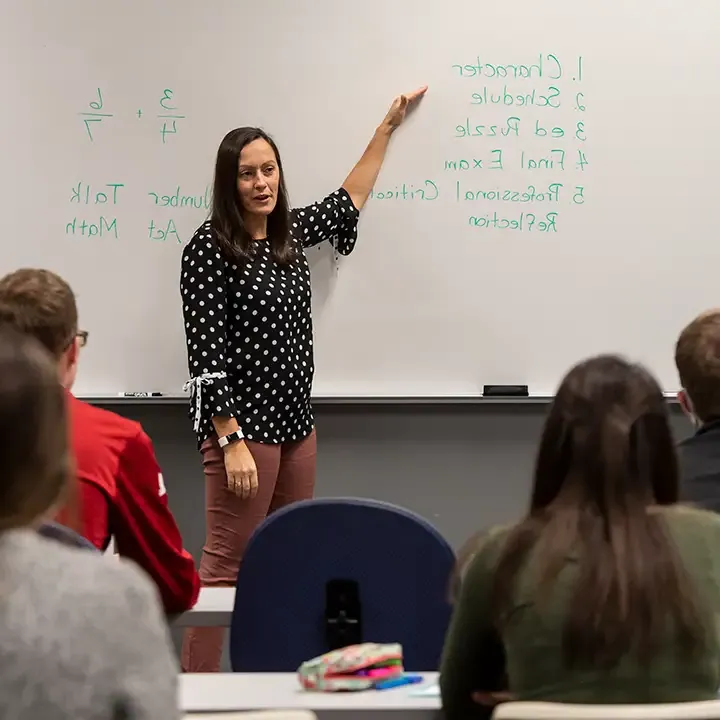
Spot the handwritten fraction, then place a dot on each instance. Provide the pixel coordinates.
(166, 113)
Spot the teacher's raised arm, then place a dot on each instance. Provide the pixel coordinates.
(361, 180)
(245, 287)
(334, 218)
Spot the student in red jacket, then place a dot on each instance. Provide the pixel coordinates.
(121, 490)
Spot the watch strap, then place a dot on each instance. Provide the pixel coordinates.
(230, 438)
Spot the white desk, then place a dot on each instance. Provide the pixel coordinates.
(227, 692)
(213, 609)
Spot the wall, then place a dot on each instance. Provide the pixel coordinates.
(464, 467)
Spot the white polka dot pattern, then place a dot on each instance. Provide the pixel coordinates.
(249, 331)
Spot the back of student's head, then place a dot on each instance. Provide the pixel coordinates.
(607, 447)
(34, 460)
(697, 357)
(40, 303)
(606, 456)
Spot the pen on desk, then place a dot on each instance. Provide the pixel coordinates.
(140, 394)
(398, 681)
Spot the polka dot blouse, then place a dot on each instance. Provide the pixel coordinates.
(249, 328)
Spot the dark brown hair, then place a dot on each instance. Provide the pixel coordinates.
(34, 455)
(697, 358)
(39, 303)
(605, 458)
(227, 213)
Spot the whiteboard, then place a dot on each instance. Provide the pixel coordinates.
(496, 274)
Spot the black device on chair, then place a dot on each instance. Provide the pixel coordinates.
(343, 617)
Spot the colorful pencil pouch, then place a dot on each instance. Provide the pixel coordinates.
(356, 667)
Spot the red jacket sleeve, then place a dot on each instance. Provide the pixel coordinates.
(91, 518)
(95, 523)
(145, 530)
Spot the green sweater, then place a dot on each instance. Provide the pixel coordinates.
(475, 657)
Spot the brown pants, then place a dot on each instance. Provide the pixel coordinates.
(286, 473)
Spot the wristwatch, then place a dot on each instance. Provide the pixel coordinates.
(230, 438)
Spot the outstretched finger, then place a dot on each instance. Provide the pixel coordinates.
(416, 94)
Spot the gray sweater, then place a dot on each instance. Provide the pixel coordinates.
(82, 636)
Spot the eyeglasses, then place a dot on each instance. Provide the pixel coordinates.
(81, 335)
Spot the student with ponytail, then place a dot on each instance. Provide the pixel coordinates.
(605, 591)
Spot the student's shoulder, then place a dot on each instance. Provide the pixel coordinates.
(91, 420)
(491, 541)
(203, 239)
(687, 522)
(89, 578)
(130, 588)
(481, 553)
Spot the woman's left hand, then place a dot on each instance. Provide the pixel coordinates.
(400, 105)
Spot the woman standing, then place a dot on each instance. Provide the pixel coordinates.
(245, 285)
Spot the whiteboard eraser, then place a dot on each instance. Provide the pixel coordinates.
(505, 391)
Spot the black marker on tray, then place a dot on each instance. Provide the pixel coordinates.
(140, 394)
(505, 391)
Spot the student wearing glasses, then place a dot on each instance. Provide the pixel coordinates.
(82, 637)
(122, 492)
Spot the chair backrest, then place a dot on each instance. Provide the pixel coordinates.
(705, 710)
(66, 536)
(401, 565)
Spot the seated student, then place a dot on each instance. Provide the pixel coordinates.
(65, 535)
(697, 357)
(82, 637)
(606, 591)
(122, 490)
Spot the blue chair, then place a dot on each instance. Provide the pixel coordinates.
(325, 573)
